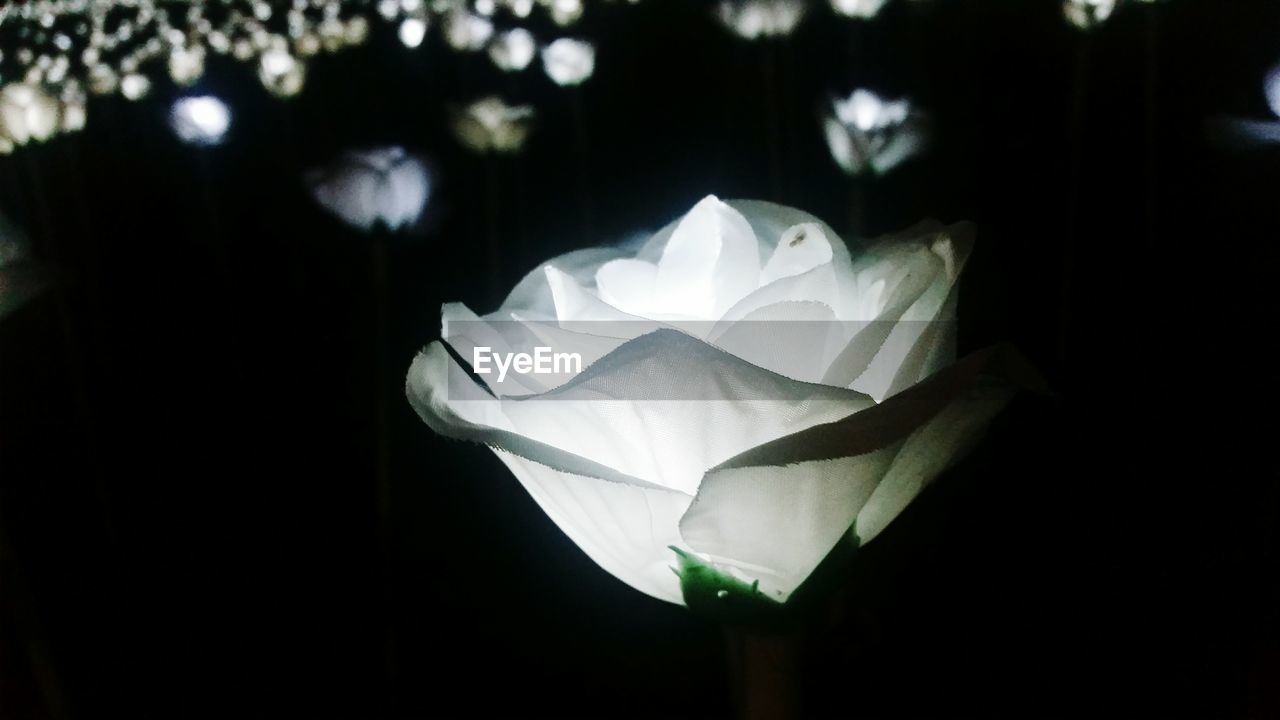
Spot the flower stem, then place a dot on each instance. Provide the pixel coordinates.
(763, 674)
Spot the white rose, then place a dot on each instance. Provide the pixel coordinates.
(749, 393)
(27, 113)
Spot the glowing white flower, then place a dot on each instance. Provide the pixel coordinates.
(1085, 14)
(27, 113)
(490, 124)
(281, 74)
(412, 31)
(753, 19)
(1242, 133)
(519, 8)
(750, 396)
(864, 9)
(465, 31)
(135, 86)
(867, 133)
(186, 64)
(569, 62)
(1271, 88)
(74, 115)
(513, 50)
(365, 187)
(565, 12)
(202, 120)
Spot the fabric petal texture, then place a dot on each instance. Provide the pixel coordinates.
(740, 392)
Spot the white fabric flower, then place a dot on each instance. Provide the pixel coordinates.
(282, 74)
(750, 392)
(1085, 14)
(200, 120)
(568, 61)
(864, 9)
(867, 133)
(27, 113)
(465, 31)
(753, 19)
(513, 50)
(489, 124)
(364, 187)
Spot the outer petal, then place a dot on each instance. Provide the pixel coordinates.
(625, 529)
(662, 408)
(924, 339)
(778, 509)
(710, 262)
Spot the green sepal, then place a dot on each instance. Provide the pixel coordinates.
(723, 598)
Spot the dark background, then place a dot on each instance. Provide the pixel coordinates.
(189, 508)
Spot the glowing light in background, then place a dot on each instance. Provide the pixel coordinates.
(135, 86)
(513, 50)
(186, 65)
(281, 73)
(1236, 133)
(862, 9)
(867, 133)
(490, 125)
(72, 49)
(412, 31)
(569, 62)
(464, 31)
(202, 120)
(1086, 14)
(565, 12)
(365, 187)
(27, 113)
(754, 19)
(1271, 88)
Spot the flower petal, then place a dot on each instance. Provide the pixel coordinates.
(711, 261)
(753, 511)
(625, 529)
(662, 408)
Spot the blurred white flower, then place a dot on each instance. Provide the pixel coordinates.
(74, 115)
(103, 80)
(568, 61)
(365, 187)
(513, 50)
(1244, 133)
(356, 31)
(749, 394)
(565, 12)
(135, 86)
(753, 19)
(20, 279)
(864, 9)
(412, 31)
(202, 120)
(867, 133)
(465, 31)
(1271, 88)
(186, 64)
(1085, 14)
(489, 124)
(27, 113)
(281, 74)
(519, 8)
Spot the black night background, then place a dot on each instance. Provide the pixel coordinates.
(190, 516)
